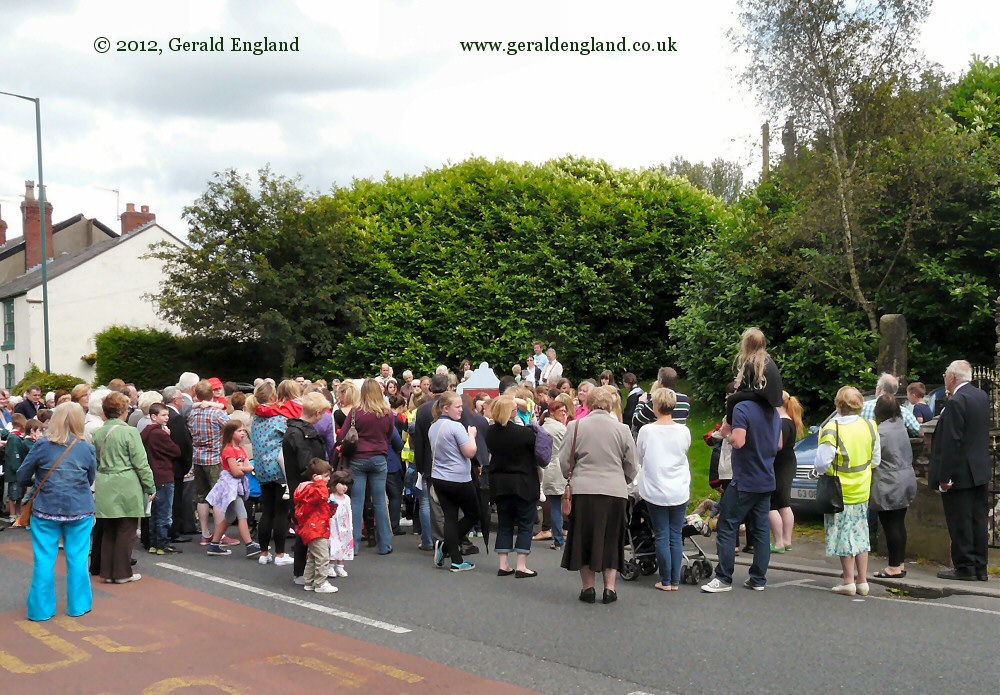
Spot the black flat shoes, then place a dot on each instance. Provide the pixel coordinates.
(589, 595)
(610, 596)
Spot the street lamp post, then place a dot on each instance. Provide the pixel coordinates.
(41, 200)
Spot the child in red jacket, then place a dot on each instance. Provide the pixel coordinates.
(312, 519)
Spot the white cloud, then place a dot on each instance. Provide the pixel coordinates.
(379, 86)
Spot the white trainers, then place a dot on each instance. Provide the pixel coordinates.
(716, 587)
(282, 560)
(265, 559)
(847, 589)
(862, 589)
(406, 522)
(339, 570)
(308, 587)
(326, 588)
(301, 581)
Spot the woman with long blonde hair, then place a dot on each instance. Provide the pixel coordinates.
(374, 424)
(63, 508)
(757, 376)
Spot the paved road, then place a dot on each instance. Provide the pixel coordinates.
(398, 612)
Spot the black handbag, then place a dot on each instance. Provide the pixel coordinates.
(829, 490)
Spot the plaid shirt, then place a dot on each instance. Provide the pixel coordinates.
(206, 435)
(909, 419)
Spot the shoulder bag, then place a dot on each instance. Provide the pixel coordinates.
(25, 518)
(349, 445)
(567, 497)
(829, 490)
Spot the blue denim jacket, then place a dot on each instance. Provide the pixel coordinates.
(67, 492)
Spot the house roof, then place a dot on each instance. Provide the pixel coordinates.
(17, 243)
(68, 261)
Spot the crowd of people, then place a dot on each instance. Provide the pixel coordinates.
(326, 467)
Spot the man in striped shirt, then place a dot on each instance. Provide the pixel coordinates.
(666, 378)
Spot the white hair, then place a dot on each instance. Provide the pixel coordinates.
(148, 398)
(96, 405)
(187, 381)
(961, 370)
(887, 383)
(441, 369)
(407, 373)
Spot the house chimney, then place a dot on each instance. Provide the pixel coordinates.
(132, 220)
(31, 214)
(3, 231)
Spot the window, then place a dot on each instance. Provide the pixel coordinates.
(8, 325)
(8, 376)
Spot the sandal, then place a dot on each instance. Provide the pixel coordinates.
(776, 549)
(885, 575)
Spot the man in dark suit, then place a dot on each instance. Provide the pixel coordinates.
(960, 469)
(183, 521)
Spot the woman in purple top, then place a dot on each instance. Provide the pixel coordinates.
(374, 422)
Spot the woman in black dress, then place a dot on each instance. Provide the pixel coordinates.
(782, 519)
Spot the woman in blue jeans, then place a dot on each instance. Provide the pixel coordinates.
(374, 423)
(514, 485)
(665, 484)
(554, 420)
(63, 507)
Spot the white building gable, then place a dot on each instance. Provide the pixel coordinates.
(89, 291)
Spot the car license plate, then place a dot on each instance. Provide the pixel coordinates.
(804, 493)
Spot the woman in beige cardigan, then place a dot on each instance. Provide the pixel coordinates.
(598, 459)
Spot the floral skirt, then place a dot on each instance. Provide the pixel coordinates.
(847, 532)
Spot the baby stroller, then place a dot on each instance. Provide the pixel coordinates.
(640, 549)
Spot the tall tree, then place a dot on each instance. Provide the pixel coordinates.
(721, 178)
(260, 268)
(829, 63)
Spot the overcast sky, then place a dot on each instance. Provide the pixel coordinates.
(376, 87)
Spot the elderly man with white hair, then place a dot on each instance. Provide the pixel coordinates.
(887, 383)
(186, 384)
(961, 470)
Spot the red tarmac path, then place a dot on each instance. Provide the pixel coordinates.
(156, 637)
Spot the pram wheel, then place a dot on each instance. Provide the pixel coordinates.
(630, 571)
(647, 567)
(687, 576)
(706, 568)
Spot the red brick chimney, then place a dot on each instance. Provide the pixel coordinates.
(3, 231)
(132, 220)
(31, 215)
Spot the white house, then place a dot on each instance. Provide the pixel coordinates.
(96, 278)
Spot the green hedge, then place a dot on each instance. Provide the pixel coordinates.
(154, 359)
(45, 381)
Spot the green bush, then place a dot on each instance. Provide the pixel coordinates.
(153, 359)
(478, 259)
(45, 381)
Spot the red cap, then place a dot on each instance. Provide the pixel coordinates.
(216, 382)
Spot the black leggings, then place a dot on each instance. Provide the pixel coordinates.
(452, 497)
(273, 517)
(894, 525)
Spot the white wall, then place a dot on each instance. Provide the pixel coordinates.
(106, 290)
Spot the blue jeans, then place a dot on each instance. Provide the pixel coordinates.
(558, 539)
(424, 510)
(667, 525)
(45, 543)
(754, 508)
(371, 471)
(162, 515)
(513, 510)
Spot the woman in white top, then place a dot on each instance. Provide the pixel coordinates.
(665, 484)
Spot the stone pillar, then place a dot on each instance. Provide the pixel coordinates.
(892, 352)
